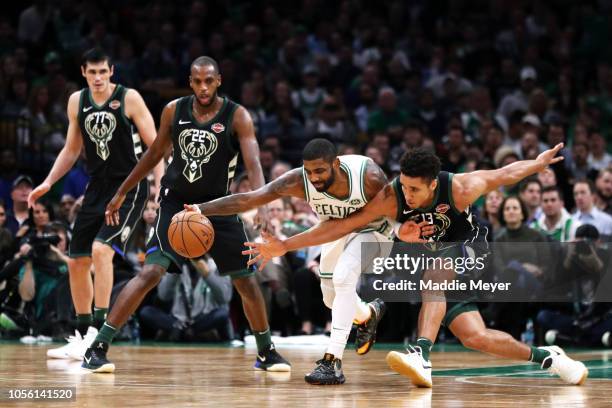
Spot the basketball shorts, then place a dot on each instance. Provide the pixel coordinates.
(226, 250)
(350, 247)
(90, 224)
(462, 301)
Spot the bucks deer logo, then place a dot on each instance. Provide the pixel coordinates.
(100, 127)
(197, 147)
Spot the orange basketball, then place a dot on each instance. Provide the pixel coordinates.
(190, 234)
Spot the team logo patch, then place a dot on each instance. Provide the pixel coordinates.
(355, 201)
(218, 127)
(197, 147)
(100, 127)
(442, 208)
(115, 104)
(125, 233)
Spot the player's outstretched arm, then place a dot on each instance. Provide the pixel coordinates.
(67, 156)
(383, 205)
(468, 187)
(153, 155)
(290, 184)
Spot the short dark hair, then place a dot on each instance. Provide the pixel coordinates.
(320, 149)
(530, 180)
(204, 61)
(95, 55)
(524, 210)
(420, 162)
(548, 189)
(588, 182)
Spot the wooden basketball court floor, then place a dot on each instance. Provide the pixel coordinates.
(199, 376)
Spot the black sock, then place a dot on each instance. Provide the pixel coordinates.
(83, 323)
(99, 316)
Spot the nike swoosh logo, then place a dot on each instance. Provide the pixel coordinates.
(262, 359)
(181, 122)
(87, 360)
(318, 199)
(87, 109)
(407, 212)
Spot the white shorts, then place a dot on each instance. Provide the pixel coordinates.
(348, 250)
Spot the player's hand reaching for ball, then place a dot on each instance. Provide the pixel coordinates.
(410, 231)
(112, 209)
(264, 251)
(192, 207)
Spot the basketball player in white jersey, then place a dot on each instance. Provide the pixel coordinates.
(334, 186)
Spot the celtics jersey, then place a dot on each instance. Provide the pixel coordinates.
(111, 145)
(205, 154)
(327, 206)
(451, 225)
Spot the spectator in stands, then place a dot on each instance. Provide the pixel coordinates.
(586, 211)
(530, 193)
(199, 298)
(555, 221)
(523, 263)
(388, 116)
(22, 186)
(490, 212)
(581, 168)
(581, 321)
(46, 265)
(598, 159)
(603, 185)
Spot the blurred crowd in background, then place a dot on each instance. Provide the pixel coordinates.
(481, 83)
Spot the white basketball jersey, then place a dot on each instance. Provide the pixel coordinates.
(327, 206)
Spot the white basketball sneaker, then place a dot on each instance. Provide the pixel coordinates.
(569, 370)
(78, 351)
(412, 365)
(64, 351)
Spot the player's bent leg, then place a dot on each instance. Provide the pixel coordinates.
(470, 329)
(268, 359)
(126, 304)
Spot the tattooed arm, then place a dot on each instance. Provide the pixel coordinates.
(290, 184)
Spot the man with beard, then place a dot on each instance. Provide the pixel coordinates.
(206, 132)
(603, 187)
(334, 186)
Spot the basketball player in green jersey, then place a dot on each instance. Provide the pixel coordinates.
(435, 206)
(103, 119)
(334, 186)
(207, 132)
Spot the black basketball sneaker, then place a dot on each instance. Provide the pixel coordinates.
(95, 358)
(327, 372)
(366, 331)
(270, 360)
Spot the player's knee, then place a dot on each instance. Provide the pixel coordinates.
(247, 287)
(328, 299)
(150, 276)
(100, 250)
(79, 265)
(477, 340)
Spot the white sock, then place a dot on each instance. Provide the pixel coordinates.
(343, 312)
